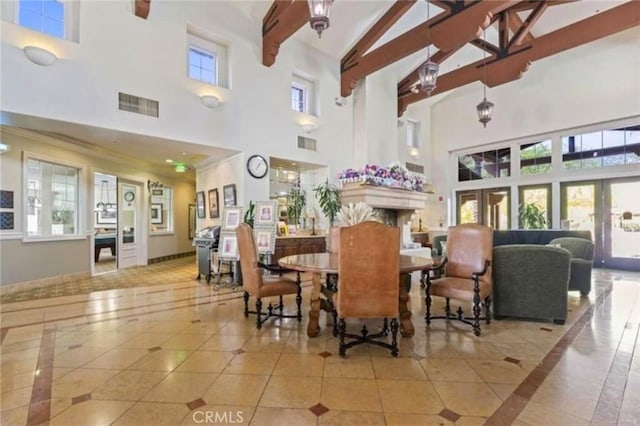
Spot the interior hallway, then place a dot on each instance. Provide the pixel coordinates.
(172, 352)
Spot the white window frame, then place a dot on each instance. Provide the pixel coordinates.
(308, 91)
(208, 46)
(413, 134)
(80, 205)
(71, 16)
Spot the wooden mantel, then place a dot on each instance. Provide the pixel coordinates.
(383, 197)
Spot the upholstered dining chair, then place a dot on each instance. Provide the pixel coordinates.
(468, 274)
(258, 285)
(368, 282)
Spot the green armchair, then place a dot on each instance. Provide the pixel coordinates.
(581, 262)
(530, 281)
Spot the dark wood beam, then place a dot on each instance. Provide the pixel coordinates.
(142, 8)
(491, 49)
(526, 26)
(511, 67)
(282, 20)
(503, 32)
(390, 17)
(532, 4)
(446, 31)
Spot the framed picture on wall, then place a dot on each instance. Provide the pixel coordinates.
(229, 192)
(104, 217)
(156, 213)
(200, 209)
(214, 210)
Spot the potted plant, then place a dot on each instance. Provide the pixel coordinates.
(328, 197)
(532, 216)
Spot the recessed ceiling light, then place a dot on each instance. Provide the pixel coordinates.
(169, 160)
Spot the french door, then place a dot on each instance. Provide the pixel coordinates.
(489, 207)
(610, 209)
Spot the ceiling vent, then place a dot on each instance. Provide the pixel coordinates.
(138, 105)
(416, 168)
(306, 143)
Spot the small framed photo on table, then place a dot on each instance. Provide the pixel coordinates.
(266, 213)
(231, 218)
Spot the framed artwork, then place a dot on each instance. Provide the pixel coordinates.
(106, 216)
(156, 213)
(229, 192)
(156, 192)
(6, 199)
(265, 239)
(214, 210)
(232, 218)
(266, 213)
(200, 205)
(228, 246)
(192, 221)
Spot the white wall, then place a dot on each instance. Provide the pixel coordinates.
(577, 88)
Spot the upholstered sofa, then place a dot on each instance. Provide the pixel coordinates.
(531, 281)
(581, 262)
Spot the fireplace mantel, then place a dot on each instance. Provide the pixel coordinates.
(383, 197)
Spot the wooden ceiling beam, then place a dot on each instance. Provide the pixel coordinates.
(390, 17)
(281, 21)
(503, 32)
(446, 31)
(509, 68)
(142, 8)
(532, 4)
(515, 23)
(526, 26)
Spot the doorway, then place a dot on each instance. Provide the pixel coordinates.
(105, 223)
(490, 207)
(610, 209)
(130, 221)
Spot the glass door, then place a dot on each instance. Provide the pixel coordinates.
(622, 224)
(581, 209)
(489, 207)
(469, 210)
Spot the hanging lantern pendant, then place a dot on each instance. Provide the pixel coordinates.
(428, 73)
(319, 14)
(485, 108)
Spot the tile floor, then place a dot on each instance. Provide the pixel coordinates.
(181, 353)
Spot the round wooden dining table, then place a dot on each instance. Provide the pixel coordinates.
(319, 263)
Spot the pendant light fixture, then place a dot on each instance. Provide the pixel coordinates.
(319, 12)
(484, 108)
(428, 72)
(101, 206)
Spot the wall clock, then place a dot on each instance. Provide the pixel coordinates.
(129, 196)
(257, 166)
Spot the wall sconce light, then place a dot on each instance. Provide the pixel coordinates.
(308, 127)
(39, 56)
(414, 153)
(210, 101)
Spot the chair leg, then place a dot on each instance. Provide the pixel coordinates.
(334, 313)
(394, 337)
(246, 304)
(487, 309)
(427, 301)
(342, 326)
(385, 327)
(299, 299)
(476, 312)
(258, 312)
(281, 304)
(447, 308)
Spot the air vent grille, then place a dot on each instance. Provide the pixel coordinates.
(138, 105)
(416, 168)
(306, 143)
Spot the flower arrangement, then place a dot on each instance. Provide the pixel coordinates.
(395, 175)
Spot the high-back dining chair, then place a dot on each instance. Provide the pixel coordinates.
(468, 274)
(368, 282)
(258, 285)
